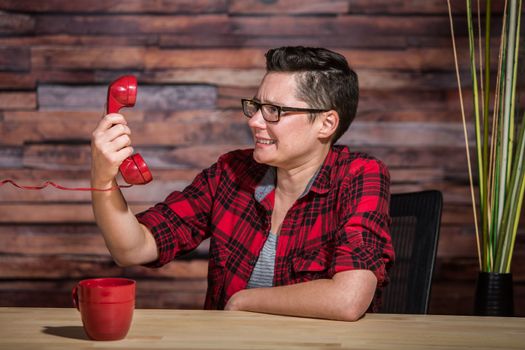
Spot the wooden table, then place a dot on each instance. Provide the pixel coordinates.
(47, 328)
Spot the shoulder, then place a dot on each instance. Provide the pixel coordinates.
(235, 155)
(237, 160)
(352, 163)
(239, 166)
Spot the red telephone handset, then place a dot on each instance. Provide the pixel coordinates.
(123, 93)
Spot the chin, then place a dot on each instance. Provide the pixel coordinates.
(261, 159)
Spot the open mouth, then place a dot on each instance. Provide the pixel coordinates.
(264, 141)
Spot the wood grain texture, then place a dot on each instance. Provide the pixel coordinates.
(131, 24)
(324, 7)
(16, 24)
(14, 59)
(116, 6)
(151, 293)
(52, 328)
(17, 100)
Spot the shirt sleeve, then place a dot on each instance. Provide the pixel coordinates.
(180, 223)
(363, 239)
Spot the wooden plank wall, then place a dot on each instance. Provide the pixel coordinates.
(194, 60)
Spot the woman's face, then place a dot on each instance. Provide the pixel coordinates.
(291, 141)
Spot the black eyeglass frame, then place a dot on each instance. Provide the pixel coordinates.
(280, 109)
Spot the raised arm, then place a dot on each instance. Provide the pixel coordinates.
(129, 242)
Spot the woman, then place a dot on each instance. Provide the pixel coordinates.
(297, 226)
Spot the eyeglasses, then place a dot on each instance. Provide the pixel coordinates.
(272, 113)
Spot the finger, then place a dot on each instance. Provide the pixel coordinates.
(120, 142)
(111, 119)
(106, 123)
(108, 157)
(116, 131)
(124, 153)
(101, 137)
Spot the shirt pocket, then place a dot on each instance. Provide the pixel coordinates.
(311, 265)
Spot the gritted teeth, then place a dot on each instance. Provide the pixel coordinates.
(265, 141)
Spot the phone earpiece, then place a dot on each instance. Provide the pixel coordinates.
(135, 171)
(123, 93)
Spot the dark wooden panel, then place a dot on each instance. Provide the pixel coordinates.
(81, 40)
(212, 76)
(415, 59)
(72, 77)
(72, 213)
(246, 25)
(245, 40)
(115, 6)
(401, 134)
(447, 157)
(176, 293)
(16, 81)
(130, 24)
(79, 266)
(60, 239)
(458, 298)
(46, 116)
(51, 240)
(455, 243)
(352, 6)
(17, 100)
(461, 269)
(16, 24)
(82, 58)
(335, 41)
(205, 58)
(14, 59)
(323, 7)
(355, 25)
(414, 7)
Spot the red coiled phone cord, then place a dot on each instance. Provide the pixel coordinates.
(50, 183)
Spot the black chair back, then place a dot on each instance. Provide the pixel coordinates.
(416, 219)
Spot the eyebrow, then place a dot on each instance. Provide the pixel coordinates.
(267, 102)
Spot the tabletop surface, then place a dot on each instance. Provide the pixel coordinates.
(53, 328)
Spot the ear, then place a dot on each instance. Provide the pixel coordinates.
(329, 123)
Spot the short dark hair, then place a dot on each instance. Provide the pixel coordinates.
(325, 80)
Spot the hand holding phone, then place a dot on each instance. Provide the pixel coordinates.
(123, 93)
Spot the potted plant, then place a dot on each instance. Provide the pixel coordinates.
(500, 153)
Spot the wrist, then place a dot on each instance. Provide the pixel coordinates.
(103, 184)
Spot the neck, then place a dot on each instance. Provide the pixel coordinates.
(292, 182)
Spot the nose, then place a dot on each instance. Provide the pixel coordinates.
(257, 121)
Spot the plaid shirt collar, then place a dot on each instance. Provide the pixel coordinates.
(263, 181)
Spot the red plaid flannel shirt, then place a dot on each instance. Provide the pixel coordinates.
(340, 223)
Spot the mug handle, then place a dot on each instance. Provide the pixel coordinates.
(74, 293)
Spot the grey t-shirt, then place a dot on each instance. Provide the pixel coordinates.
(262, 275)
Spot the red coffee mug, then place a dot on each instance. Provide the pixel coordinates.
(106, 306)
